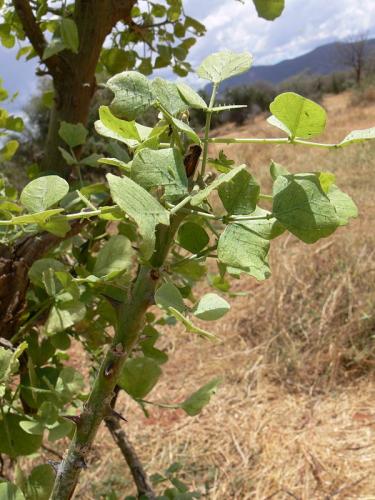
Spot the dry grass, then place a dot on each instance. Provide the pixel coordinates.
(295, 415)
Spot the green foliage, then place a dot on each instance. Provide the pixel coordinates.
(269, 9)
(147, 237)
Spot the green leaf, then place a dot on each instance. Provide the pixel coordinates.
(240, 194)
(276, 169)
(192, 237)
(186, 129)
(301, 205)
(61, 429)
(222, 65)
(167, 94)
(114, 257)
(69, 34)
(241, 246)
(13, 440)
(74, 134)
(133, 95)
(189, 326)
(269, 9)
(32, 427)
(199, 399)
(139, 376)
(114, 128)
(143, 208)
(345, 207)
(39, 268)
(299, 117)
(358, 136)
(60, 318)
(222, 179)
(40, 483)
(9, 491)
(69, 384)
(165, 168)
(54, 47)
(9, 364)
(211, 307)
(69, 158)
(189, 95)
(9, 150)
(168, 295)
(43, 193)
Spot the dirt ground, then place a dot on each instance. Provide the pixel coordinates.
(295, 414)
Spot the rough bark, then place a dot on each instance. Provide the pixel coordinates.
(15, 263)
(74, 82)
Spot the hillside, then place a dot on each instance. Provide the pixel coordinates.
(321, 61)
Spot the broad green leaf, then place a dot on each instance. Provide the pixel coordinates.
(58, 227)
(133, 95)
(61, 318)
(189, 326)
(114, 128)
(269, 9)
(126, 167)
(61, 429)
(16, 442)
(114, 257)
(9, 150)
(186, 129)
(191, 97)
(139, 205)
(9, 364)
(74, 134)
(167, 94)
(358, 136)
(345, 207)
(240, 194)
(276, 169)
(69, 158)
(301, 205)
(151, 335)
(326, 180)
(54, 47)
(44, 192)
(32, 427)
(40, 266)
(301, 117)
(40, 483)
(139, 376)
(168, 295)
(222, 179)
(9, 491)
(164, 168)
(192, 237)
(69, 34)
(70, 383)
(199, 399)
(211, 307)
(222, 65)
(241, 246)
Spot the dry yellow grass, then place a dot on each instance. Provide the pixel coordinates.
(295, 415)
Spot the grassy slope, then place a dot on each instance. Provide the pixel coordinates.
(295, 415)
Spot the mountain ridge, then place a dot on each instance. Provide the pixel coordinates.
(322, 60)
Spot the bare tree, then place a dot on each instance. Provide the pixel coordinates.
(354, 53)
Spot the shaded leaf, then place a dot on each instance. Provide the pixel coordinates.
(43, 193)
(199, 399)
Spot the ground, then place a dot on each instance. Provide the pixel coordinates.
(295, 414)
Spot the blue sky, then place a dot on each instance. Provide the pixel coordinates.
(304, 25)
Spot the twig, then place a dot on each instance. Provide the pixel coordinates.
(54, 452)
(136, 468)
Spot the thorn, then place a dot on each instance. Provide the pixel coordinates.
(118, 415)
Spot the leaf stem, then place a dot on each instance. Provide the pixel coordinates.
(207, 128)
(270, 141)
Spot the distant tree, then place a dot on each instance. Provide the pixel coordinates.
(354, 53)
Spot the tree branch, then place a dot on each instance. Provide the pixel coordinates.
(34, 33)
(140, 477)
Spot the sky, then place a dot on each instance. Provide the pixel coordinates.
(234, 24)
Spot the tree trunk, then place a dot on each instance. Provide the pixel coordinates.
(74, 78)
